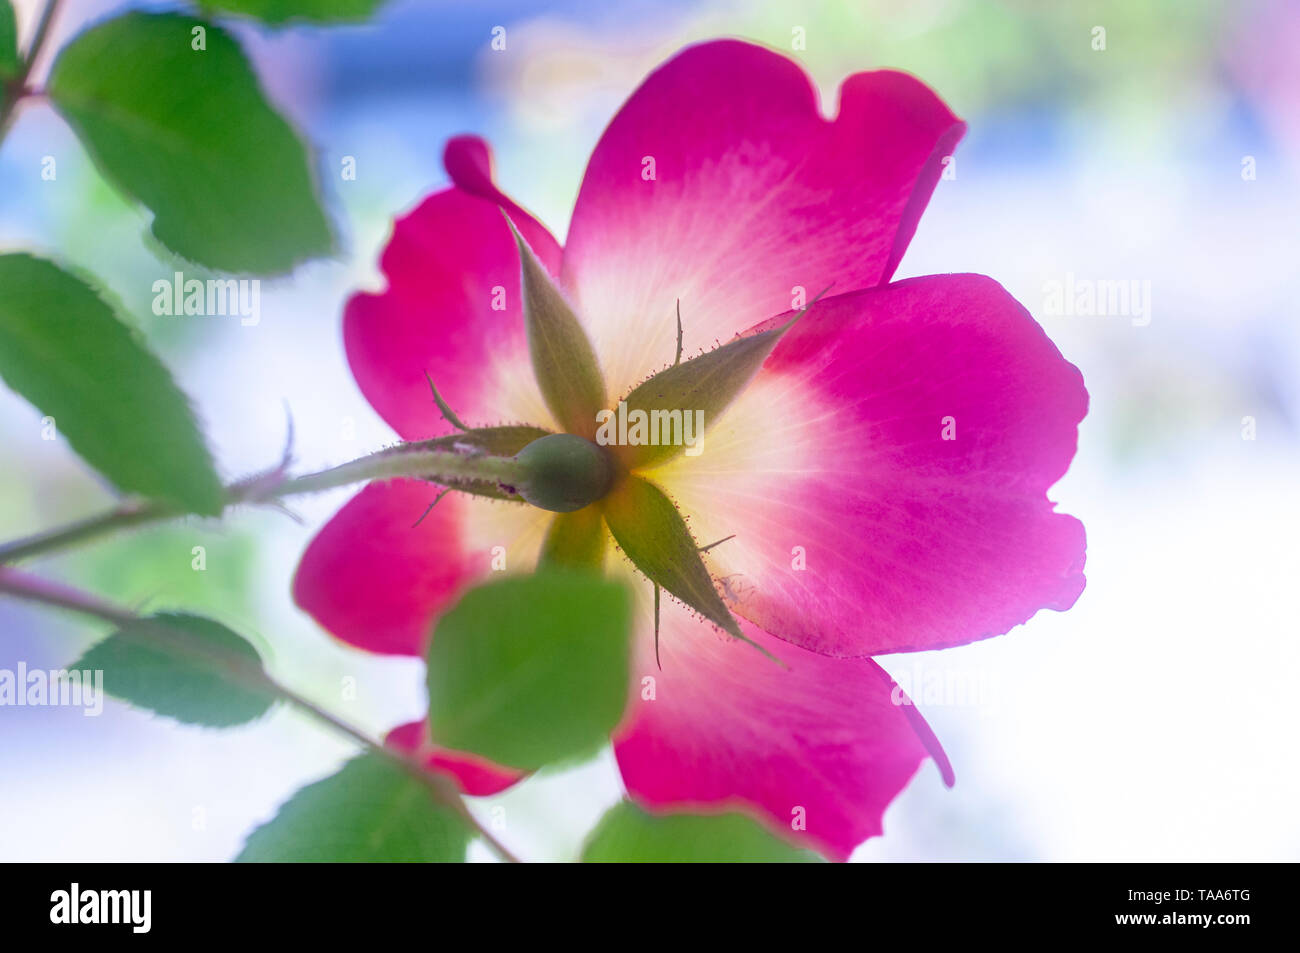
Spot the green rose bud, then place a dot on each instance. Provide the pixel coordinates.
(564, 472)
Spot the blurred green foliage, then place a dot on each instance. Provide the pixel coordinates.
(9, 59)
(278, 12)
(174, 115)
(627, 834)
(182, 666)
(63, 348)
(370, 811)
(528, 670)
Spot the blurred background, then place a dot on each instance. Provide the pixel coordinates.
(1154, 721)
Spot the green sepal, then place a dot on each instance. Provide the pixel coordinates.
(563, 360)
(653, 535)
(708, 383)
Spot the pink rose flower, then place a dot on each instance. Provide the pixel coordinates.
(884, 473)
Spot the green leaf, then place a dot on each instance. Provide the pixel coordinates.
(563, 361)
(371, 811)
(185, 667)
(627, 834)
(10, 63)
(189, 133)
(651, 533)
(529, 670)
(63, 348)
(707, 383)
(279, 12)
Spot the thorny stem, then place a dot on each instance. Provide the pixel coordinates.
(442, 466)
(407, 460)
(44, 592)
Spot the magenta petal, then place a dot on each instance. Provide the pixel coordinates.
(452, 309)
(376, 582)
(475, 776)
(754, 193)
(861, 530)
(825, 743)
(468, 161)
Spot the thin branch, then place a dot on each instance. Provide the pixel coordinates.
(44, 592)
(50, 11)
(121, 517)
(31, 588)
(17, 89)
(407, 460)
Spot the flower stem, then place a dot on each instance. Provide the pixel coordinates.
(409, 460)
(416, 460)
(44, 592)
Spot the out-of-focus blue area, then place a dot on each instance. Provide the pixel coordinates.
(1152, 721)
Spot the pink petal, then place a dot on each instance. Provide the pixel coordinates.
(378, 582)
(729, 728)
(476, 776)
(448, 263)
(754, 194)
(375, 581)
(834, 461)
(468, 161)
